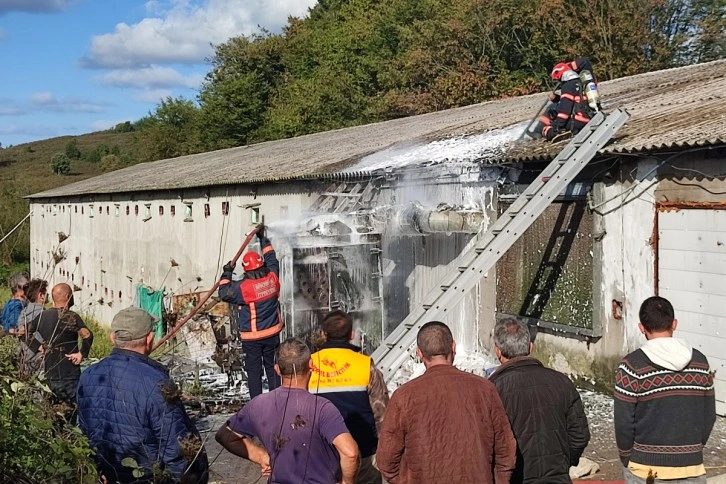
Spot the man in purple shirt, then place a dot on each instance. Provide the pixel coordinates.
(304, 436)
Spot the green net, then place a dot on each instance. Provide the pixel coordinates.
(152, 302)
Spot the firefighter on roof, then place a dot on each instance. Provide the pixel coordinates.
(575, 104)
(256, 296)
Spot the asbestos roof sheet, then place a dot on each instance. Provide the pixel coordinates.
(670, 109)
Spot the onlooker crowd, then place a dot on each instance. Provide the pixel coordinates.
(328, 418)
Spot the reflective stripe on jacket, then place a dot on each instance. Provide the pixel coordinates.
(342, 374)
(256, 296)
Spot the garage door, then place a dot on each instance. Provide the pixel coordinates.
(692, 275)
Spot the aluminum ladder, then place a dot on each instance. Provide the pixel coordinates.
(465, 272)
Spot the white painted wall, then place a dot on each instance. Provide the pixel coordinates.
(117, 252)
(628, 260)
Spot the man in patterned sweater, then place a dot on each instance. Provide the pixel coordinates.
(665, 404)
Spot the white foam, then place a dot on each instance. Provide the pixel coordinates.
(460, 149)
(475, 362)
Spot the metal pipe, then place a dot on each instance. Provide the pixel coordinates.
(414, 219)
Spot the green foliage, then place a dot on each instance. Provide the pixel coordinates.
(36, 443)
(72, 151)
(60, 164)
(101, 342)
(125, 127)
(111, 163)
(172, 130)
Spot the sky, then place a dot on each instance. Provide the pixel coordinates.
(78, 66)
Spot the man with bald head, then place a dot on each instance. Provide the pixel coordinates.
(58, 332)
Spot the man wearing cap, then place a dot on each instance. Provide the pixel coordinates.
(257, 299)
(132, 414)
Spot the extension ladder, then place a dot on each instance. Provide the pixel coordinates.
(464, 273)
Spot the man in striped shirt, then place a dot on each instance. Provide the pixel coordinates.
(665, 405)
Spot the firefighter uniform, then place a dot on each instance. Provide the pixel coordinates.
(256, 297)
(570, 111)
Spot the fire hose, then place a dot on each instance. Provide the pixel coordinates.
(206, 297)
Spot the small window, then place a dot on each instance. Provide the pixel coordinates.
(76, 209)
(128, 210)
(161, 210)
(225, 208)
(105, 291)
(119, 295)
(207, 212)
(117, 209)
(83, 280)
(136, 210)
(172, 210)
(255, 215)
(90, 211)
(108, 212)
(188, 212)
(63, 209)
(81, 210)
(95, 286)
(147, 212)
(100, 209)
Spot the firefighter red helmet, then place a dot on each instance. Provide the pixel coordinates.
(558, 70)
(252, 261)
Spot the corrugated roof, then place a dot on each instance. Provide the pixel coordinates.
(681, 107)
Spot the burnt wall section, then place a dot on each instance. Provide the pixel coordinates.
(344, 277)
(547, 274)
(414, 265)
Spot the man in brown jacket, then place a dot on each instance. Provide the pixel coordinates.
(447, 425)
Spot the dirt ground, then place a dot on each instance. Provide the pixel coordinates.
(229, 469)
(602, 448)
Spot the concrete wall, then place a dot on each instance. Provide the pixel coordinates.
(624, 259)
(107, 253)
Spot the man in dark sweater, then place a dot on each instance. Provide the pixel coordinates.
(543, 406)
(665, 405)
(58, 331)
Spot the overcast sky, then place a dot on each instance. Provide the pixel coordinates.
(77, 66)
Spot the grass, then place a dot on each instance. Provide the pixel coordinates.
(27, 166)
(25, 170)
(102, 345)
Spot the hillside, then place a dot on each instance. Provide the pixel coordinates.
(26, 169)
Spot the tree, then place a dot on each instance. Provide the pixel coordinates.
(60, 164)
(72, 151)
(111, 163)
(172, 130)
(237, 91)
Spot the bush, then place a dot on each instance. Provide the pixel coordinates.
(36, 443)
(101, 343)
(60, 164)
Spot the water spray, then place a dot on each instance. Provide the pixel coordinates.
(209, 294)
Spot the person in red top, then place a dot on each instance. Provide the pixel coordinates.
(257, 297)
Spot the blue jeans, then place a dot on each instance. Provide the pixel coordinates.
(258, 354)
(630, 478)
